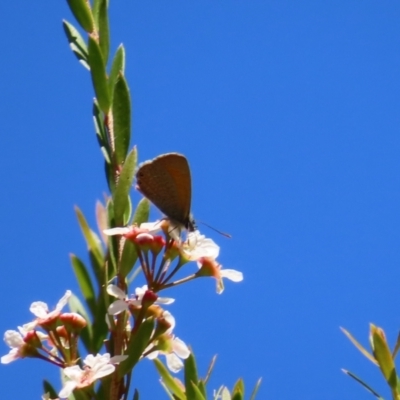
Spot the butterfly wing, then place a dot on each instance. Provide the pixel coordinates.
(166, 182)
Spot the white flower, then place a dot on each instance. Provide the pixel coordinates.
(178, 351)
(210, 267)
(198, 246)
(123, 302)
(41, 311)
(15, 341)
(96, 367)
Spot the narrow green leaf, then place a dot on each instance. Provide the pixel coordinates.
(117, 67)
(383, 355)
(76, 43)
(92, 240)
(86, 334)
(136, 346)
(99, 76)
(101, 220)
(196, 394)
(237, 396)
(142, 212)
(169, 380)
(356, 378)
(121, 109)
(210, 369)
(124, 185)
(82, 13)
(255, 390)
(362, 349)
(167, 391)
(104, 31)
(128, 258)
(238, 387)
(100, 130)
(109, 170)
(396, 347)
(113, 242)
(100, 328)
(48, 388)
(84, 281)
(136, 395)
(191, 377)
(201, 385)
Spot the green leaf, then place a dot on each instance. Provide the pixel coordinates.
(201, 385)
(210, 369)
(136, 346)
(196, 394)
(361, 348)
(124, 185)
(48, 388)
(128, 258)
(76, 43)
(377, 395)
(121, 109)
(86, 334)
(383, 355)
(191, 377)
(142, 212)
(117, 67)
(136, 395)
(255, 390)
(104, 31)
(169, 380)
(100, 328)
(82, 13)
(237, 396)
(92, 240)
(99, 76)
(84, 281)
(101, 220)
(238, 387)
(396, 347)
(100, 130)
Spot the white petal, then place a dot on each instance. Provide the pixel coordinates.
(165, 300)
(63, 301)
(152, 227)
(74, 373)
(13, 339)
(174, 363)
(103, 371)
(68, 388)
(117, 231)
(232, 274)
(39, 309)
(152, 355)
(180, 348)
(115, 291)
(11, 356)
(117, 359)
(170, 319)
(117, 307)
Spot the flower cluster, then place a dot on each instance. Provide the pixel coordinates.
(174, 254)
(53, 337)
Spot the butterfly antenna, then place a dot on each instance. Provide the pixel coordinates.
(227, 235)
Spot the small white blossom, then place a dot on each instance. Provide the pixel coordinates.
(123, 302)
(96, 367)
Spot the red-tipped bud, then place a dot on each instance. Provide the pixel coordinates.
(73, 322)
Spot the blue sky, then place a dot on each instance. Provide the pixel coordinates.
(288, 113)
